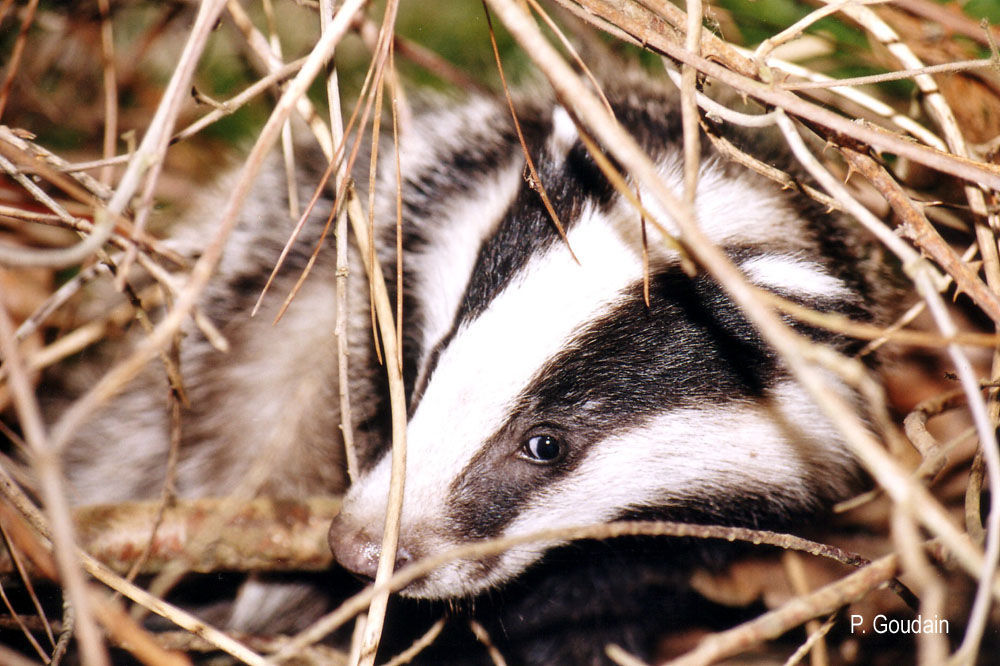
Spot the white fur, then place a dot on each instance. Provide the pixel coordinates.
(792, 273)
(564, 133)
(729, 209)
(487, 363)
(490, 360)
(682, 454)
(443, 267)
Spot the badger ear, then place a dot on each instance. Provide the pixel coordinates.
(792, 273)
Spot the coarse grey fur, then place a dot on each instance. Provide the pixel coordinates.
(264, 417)
(274, 395)
(273, 398)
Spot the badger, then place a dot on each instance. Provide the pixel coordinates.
(551, 380)
(548, 389)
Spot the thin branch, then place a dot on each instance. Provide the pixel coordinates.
(923, 234)
(951, 17)
(772, 624)
(883, 467)
(337, 136)
(148, 159)
(689, 104)
(397, 403)
(931, 648)
(864, 100)
(793, 31)
(945, 68)
(620, 656)
(229, 106)
(52, 258)
(796, 574)
(939, 109)
(183, 619)
(483, 636)
(419, 645)
(47, 468)
(535, 182)
(815, 637)
(271, 62)
(880, 139)
(26, 580)
(426, 58)
(25, 631)
(110, 87)
(483, 549)
(27, 19)
(202, 270)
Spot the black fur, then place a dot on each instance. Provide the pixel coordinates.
(689, 346)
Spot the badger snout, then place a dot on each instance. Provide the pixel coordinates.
(357, 547)
(356, 543)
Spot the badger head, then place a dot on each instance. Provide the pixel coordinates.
(549, 393)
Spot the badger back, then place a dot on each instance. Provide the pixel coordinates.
(276, 390)
(545, 390)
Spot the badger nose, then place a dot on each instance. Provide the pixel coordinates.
(358, 550)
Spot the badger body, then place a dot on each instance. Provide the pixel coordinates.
(543, 389)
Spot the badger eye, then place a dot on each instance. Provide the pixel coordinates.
(542, 448)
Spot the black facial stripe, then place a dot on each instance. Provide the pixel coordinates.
(527, 229)
(689, 346)
(491, 146)
(692, 346)
(570, 184)
(496, 485)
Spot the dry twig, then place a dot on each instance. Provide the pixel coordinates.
(697, 54)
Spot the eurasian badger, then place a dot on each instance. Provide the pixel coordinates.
(543, 389)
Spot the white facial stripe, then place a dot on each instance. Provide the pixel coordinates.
(493, 357)
(444, 266)
(684, 454)
(793, 274)
(692, 453)
(486, 364)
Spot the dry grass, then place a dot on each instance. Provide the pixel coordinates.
(98, 123)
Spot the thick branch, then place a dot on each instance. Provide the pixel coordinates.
(264, 535)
